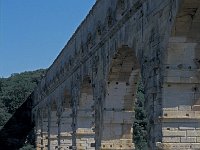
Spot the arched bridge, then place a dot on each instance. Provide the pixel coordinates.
(87, 98)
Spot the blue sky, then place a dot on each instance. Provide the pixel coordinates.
(33, 32)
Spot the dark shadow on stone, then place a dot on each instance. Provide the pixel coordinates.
(14, 133)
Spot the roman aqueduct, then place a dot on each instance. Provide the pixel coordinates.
(86, 99)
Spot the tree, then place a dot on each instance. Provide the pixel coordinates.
(140, 123)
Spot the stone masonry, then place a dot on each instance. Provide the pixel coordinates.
(86, 99)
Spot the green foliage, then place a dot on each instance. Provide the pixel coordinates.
(4, 116)
(16, 88)
(140, 124)
(14, 91)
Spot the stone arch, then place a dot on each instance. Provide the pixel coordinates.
(119, 101)
(181, 96)
(85, 116)
(66, 121)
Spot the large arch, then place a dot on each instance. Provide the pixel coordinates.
(181, 87)
(120, 100)
(85, 117)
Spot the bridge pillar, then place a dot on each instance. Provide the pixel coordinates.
(181, 97)
(53, 128)
(181, 88)
(39, 133)
(44, 140)
(42, 130)
(85, 118)
(66, 129)
(45, 134)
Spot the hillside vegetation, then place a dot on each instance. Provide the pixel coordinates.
(14, 91)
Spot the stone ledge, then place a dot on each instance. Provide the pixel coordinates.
(121, 144)
(181, 114)
(177, 120)
(178, 146)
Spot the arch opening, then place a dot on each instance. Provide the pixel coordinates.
(53, 126)
(66, 122)
(118, 116)
(85, 117)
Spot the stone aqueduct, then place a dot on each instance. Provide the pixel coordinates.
(86, 99)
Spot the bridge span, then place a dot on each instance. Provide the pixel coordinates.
(86, 100)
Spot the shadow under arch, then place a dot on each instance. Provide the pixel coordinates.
(85, 116)
(120, 100)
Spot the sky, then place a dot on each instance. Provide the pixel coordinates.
(33, 32)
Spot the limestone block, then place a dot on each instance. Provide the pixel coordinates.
(195, 146)
(181, 114)
(186, 128)
(193, 133)
(118, 117)
(197, 114)
(196, 107)
(114, 101)
(188, 139)
(174, 133)
(171, 139)
(170, 108)
(122, 144)
(112, 131)
(184, 107)
(198, 139)
(173, 146)
(84, 131)
(84, 114)
(170, 128)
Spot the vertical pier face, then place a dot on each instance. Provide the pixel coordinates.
(53, 126)
(99, 68)
(181, 88)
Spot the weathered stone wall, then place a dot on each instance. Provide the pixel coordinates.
(88, 92)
